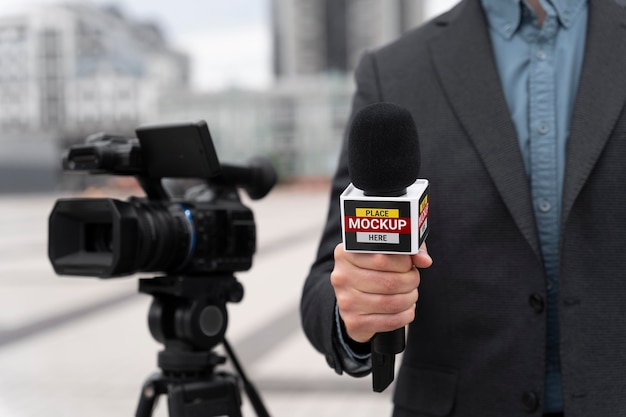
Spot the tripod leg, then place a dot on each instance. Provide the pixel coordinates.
(150, 391)
(253, 395)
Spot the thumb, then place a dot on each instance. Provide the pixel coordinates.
(422, 259)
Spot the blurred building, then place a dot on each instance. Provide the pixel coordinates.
(313, 37)
(69, 70)
(77, 67)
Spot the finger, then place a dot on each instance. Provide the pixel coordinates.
(376, 261)
(362, 328)
(385, 283)
(352, 301)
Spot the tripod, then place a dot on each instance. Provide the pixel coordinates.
(188, 315)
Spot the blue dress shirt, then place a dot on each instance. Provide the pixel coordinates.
(539, 69)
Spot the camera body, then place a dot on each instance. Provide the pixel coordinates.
(208, 231)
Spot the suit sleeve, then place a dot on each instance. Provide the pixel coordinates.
(317, 306)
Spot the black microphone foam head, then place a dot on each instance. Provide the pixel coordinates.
(383, 150)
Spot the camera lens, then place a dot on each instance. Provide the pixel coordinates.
(106, 237)
(98, 237)
(166, 236)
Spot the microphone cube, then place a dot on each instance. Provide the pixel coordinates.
(385, 224)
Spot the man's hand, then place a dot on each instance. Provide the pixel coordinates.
(376, 292)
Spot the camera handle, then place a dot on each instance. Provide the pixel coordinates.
(188, 315)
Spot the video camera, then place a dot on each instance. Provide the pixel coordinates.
(197, 241)
(208, 231)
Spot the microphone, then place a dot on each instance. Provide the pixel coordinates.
(385, 208)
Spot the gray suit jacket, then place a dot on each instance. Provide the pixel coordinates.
(477, 345)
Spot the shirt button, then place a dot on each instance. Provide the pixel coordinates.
(541, 55)
(544, 206)
(536, 302)
(530, 400)
(543, 128)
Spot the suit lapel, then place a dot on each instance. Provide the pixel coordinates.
(470, 80)
(601, 95)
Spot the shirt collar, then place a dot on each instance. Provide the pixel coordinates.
(505, 16)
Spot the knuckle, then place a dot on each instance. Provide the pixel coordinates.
(339, 252)
(344, 302)
(410, 315)
(406, 317)
(391, 304)
(355, 328)
(379, 262)
(349, 322)
(336, 279)
(397, 304)
(395, 322)
(417, 278)
(388, 283)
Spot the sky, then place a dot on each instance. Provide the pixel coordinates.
(229, 40)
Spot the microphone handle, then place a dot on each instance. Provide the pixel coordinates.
(385, 346)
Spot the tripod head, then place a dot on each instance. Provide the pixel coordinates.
(188, 315)
(189, 312)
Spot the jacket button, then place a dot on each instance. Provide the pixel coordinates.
(530, 400)
(536, 302)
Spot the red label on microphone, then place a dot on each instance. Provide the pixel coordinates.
(378, 225)
(423, 218)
